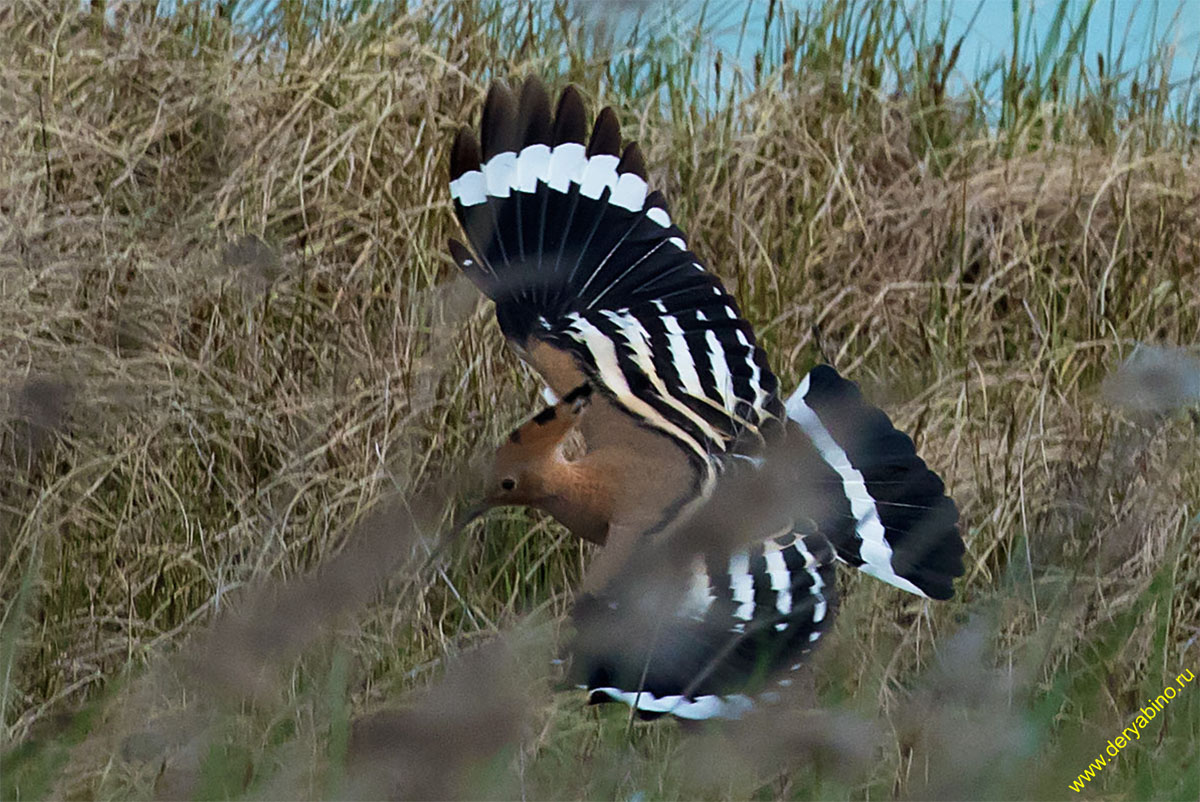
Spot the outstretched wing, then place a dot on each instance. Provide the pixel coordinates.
(730, 632)
(581, 258)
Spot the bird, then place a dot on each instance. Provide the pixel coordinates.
(721, 506)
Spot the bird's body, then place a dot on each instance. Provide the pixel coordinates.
(671, 446)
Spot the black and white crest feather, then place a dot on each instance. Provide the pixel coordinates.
(577, 251)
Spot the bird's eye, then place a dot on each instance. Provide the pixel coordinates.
(508, 483)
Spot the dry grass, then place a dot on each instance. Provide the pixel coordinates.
(233, 344)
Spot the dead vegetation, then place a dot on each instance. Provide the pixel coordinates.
(233, 344)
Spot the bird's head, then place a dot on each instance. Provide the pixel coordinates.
(529, 462)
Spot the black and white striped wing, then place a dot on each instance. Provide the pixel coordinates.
(577, 252)
(883, 509)
(744, 619)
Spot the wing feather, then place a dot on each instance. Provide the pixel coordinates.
(577, 251)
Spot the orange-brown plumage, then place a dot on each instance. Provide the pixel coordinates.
(593, 468)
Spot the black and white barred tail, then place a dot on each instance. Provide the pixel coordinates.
(577, 251)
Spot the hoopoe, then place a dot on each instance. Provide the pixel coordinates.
(660, 394)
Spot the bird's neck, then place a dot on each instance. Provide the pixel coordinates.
(631, 488)
(580, 496)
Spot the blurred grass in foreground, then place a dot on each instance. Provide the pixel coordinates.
(241, 384)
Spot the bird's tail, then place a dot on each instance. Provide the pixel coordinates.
(885, 511)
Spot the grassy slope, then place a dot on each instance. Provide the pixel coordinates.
(192, 412)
